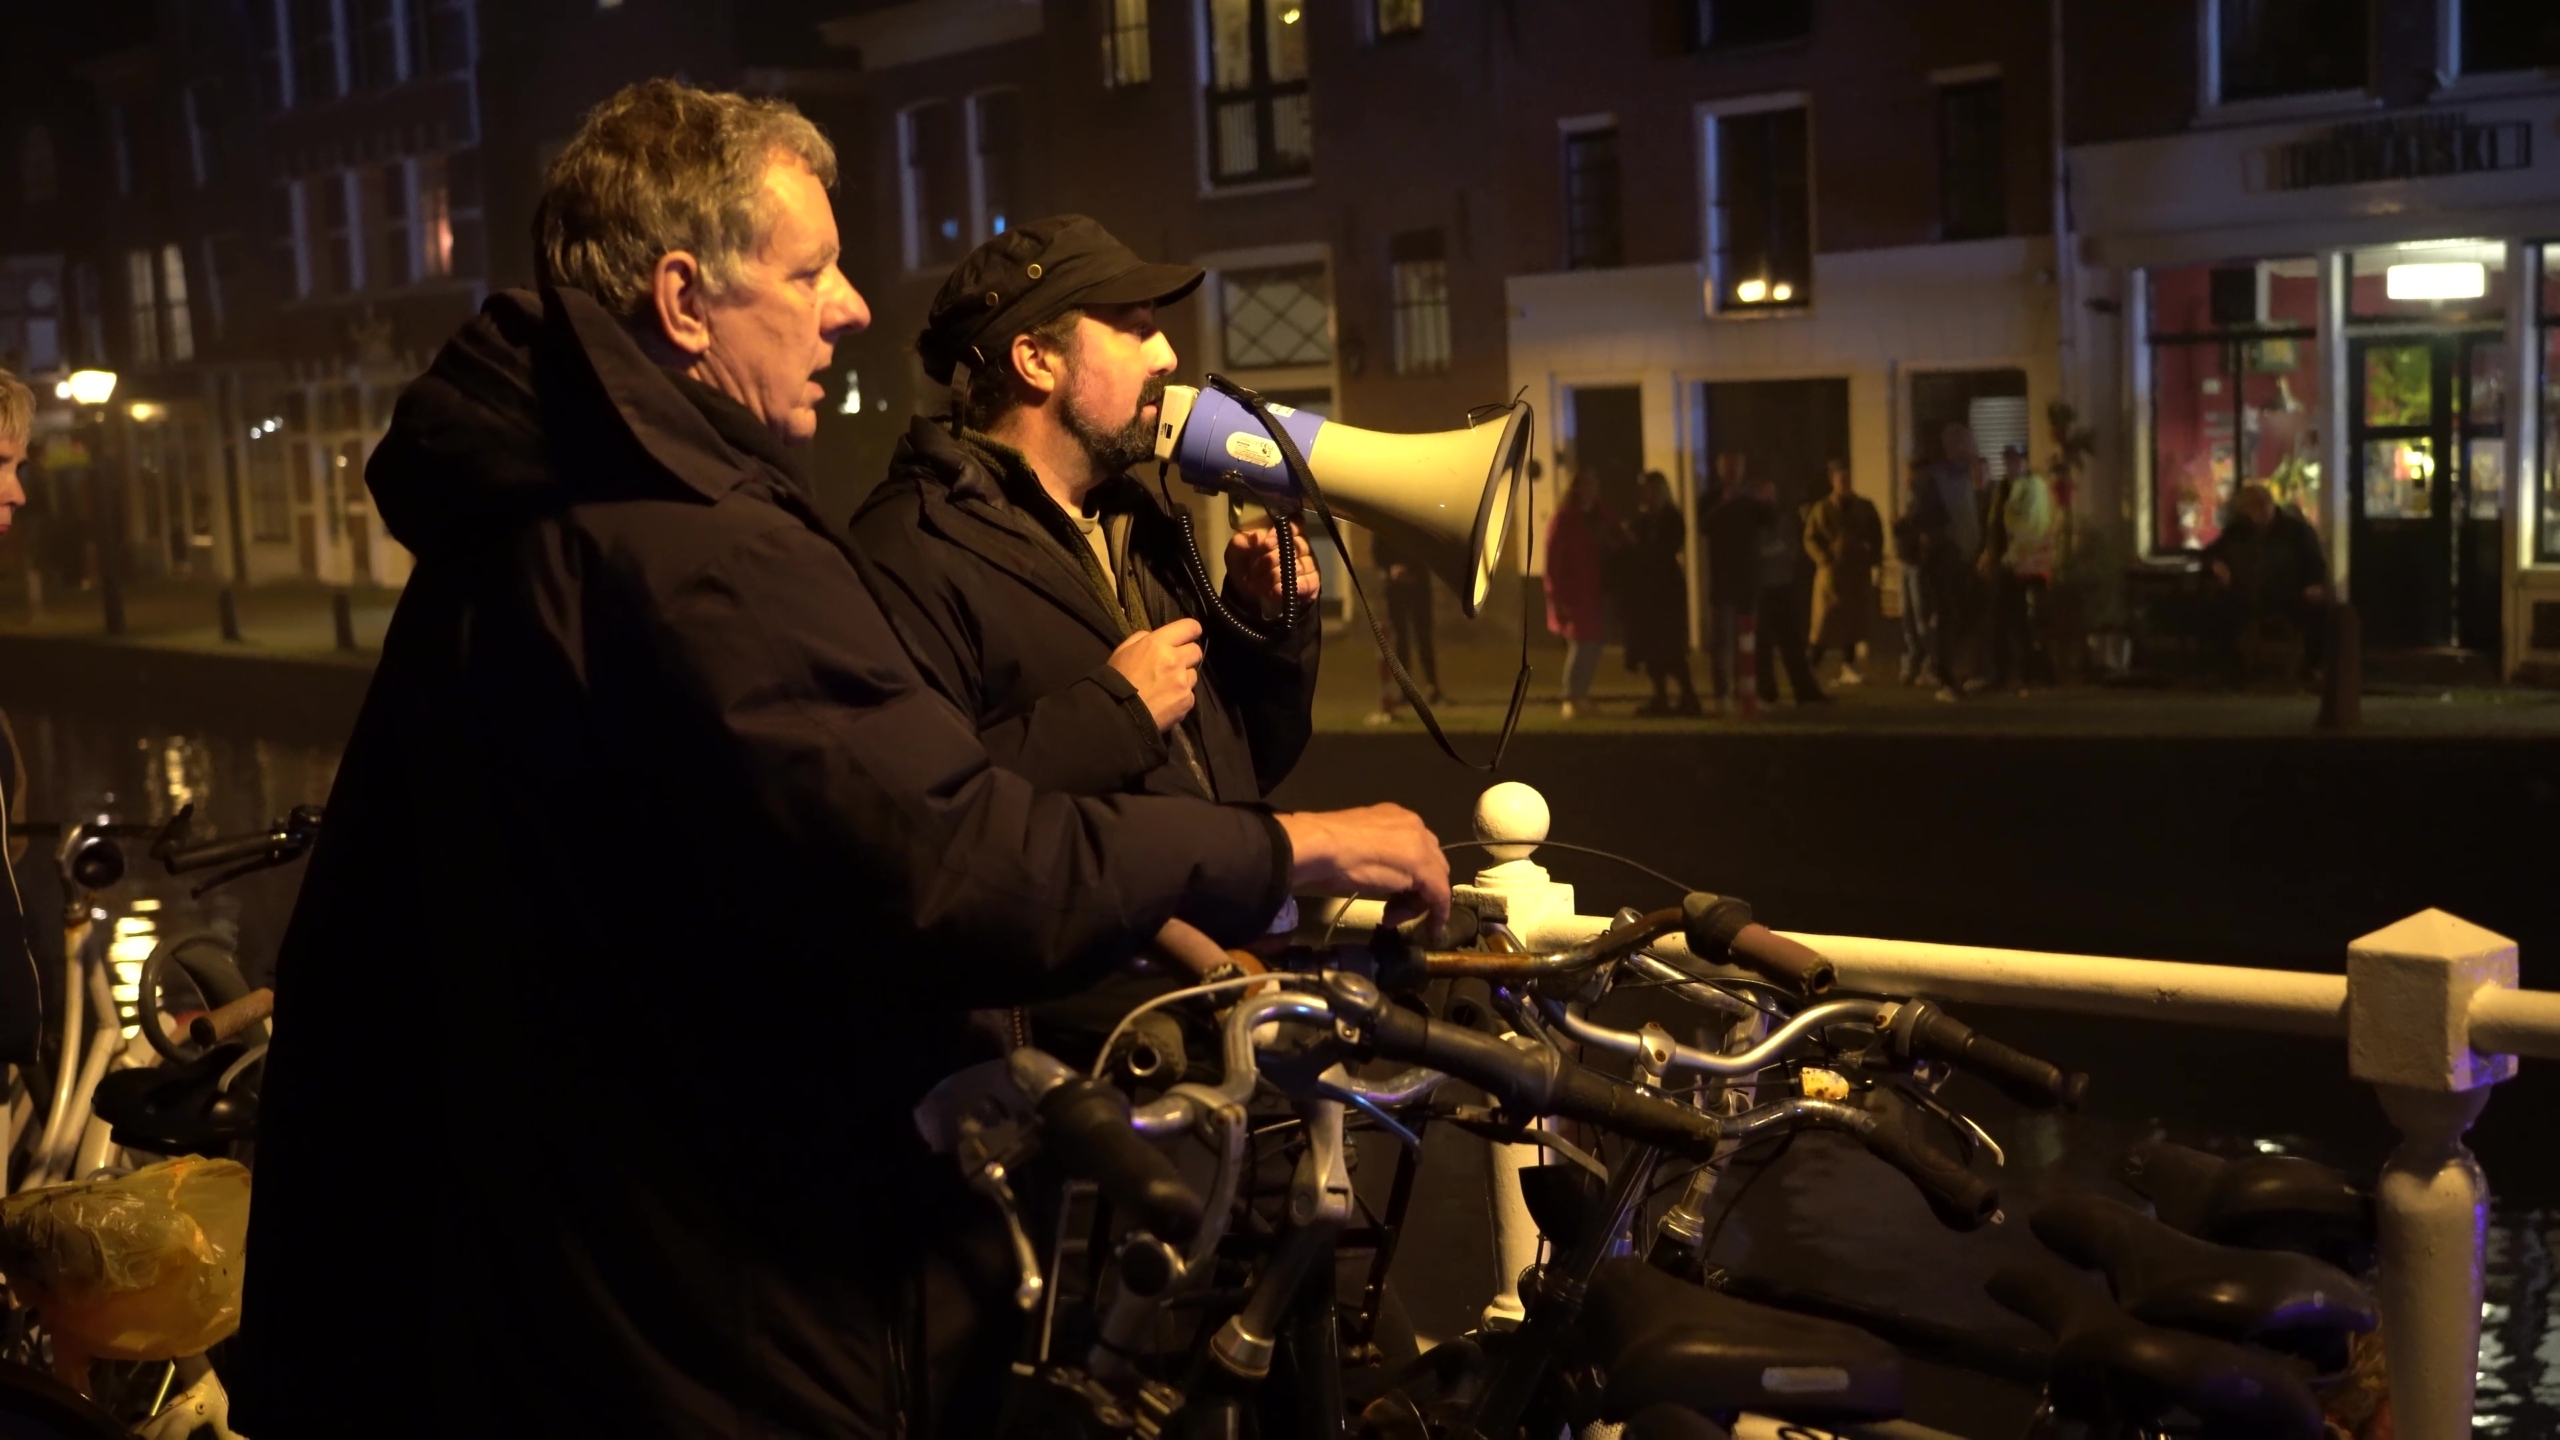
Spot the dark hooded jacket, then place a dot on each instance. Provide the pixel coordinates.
(655, 887)
(1009, 613)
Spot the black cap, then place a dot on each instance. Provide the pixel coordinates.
(1033, 273)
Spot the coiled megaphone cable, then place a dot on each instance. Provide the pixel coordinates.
(1304, 475)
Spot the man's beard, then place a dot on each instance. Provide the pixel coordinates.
(1114, 451)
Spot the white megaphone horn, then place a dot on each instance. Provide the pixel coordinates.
(1446, 497)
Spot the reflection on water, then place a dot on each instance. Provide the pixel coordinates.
(2519, 1344)
(83, 768)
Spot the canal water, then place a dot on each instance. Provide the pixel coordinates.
(2179, 852)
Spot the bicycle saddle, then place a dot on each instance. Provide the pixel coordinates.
(2260, 1202)
(1656, 1340)
(2283, 1301)
(2108, 1366)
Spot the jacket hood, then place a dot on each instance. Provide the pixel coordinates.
(545, 400)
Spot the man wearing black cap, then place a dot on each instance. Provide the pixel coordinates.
(1043, 589)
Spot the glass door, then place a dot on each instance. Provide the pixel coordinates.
(2427, 490)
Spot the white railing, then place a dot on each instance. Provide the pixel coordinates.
(2428, 1007)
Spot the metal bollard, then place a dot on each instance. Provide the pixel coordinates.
(342, 610)
(2409, 991)
(229, 608)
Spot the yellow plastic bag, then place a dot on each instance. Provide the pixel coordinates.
(144, 1266)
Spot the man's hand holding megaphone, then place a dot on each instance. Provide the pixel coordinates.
(1253, 558)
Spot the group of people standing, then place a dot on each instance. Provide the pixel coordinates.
(1791, 586)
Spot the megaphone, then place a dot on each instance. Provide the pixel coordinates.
(1446, 497)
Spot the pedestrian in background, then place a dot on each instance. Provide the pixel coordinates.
(1409, 619)
(1731, 521)
(1959, 480)
(1780, 609)
(1844, 537)
(1916, 532)
(2017, 566)
(1653, 595)
(1580, 542)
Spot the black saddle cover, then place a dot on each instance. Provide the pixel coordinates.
(2108, 1366)
(2284, 1301)
(1657, 1340)
(2259, 1202)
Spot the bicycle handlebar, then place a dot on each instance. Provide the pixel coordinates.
(1086, 1124)
(1720, 928)
(1918, 1028)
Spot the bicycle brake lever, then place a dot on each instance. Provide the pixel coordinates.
(1974, 1138)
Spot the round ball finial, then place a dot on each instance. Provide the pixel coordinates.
(1513, 814)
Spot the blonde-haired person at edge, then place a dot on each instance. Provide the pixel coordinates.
(21, 1014)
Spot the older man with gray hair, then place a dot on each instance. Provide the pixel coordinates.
(657, 886)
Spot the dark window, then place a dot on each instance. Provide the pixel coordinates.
(120, 149)
(221, 282)
(39, 175)
(1259, 126)
(1973, 193)
(197, 105)
(292, 231)
(1125, 58)
(1592, 220)
(396, 261)
(1733, 24)
(1761, 224)
(439, 36)
(341, 235)
(936, 183)
(2509, 35)
(378, 44)
(2291, 47)
(995, 120)
(1275, 317)
(1418, 282)
(315, 51)
(1397, 17)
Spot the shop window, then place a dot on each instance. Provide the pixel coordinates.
(1275, 317)
(1739, 24)
(1125, 57)
(934, 185)
(2506, 35)
(2268, 49)
(1592, 212)
(2443, 281)
(2235, 384)
(1259, 124)
(1760, 206)
(2547, 508)
(1973, 191)
(142, 307)
(995, 159)
(1418, 280)
(1396, 17)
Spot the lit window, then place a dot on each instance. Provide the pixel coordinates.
(180, 325)
(934, 185)
(1418, 283)
(995, 156)
(434, 216)
(1125, 60)
(142, 307)
(1398, 17)
(1760, 199)
(1592, 213)
(1259, 125)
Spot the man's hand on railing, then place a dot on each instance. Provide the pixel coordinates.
(1376, 850)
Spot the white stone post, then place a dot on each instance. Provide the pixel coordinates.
(2409, 991)
(1516, 891)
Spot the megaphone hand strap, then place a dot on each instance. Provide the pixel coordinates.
(1304, 475)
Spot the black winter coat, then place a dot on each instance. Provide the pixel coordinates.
(655, 887)
(1006, 612)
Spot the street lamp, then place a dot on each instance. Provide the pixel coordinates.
(88, 387)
